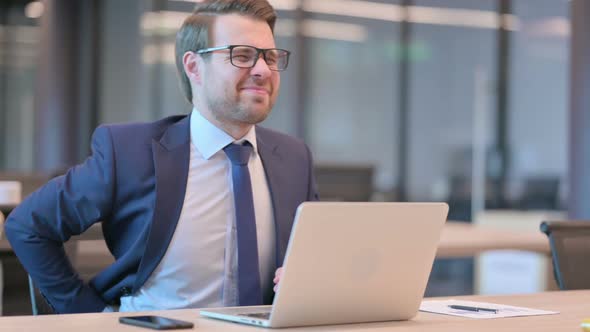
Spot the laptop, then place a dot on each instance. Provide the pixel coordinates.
(350, 263)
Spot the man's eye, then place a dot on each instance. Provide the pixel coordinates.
(242, 57)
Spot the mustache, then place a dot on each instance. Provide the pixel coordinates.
(257, 84)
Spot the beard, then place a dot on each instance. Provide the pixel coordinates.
(235, 108)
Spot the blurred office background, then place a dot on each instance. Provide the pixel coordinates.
(400, 100)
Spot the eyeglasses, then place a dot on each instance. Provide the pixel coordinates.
(244, 56)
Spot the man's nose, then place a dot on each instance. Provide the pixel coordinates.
(261, 68)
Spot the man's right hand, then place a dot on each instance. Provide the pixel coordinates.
(277, 279)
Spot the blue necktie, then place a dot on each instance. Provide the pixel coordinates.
(248, 272)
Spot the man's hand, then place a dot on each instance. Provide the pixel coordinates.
(278, 274)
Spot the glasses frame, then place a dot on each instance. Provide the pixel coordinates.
(258, 52)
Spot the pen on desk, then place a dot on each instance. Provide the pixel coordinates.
(468, 308)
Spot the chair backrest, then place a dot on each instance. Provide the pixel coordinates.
(349, 183)
(570, 252)
(39, 305)
(541, 193)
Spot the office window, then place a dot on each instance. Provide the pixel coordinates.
(19, 40)
(126, 90)
(352, 87)
(538, 106)
(452, 98)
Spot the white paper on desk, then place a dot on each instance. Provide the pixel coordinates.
(442, 307)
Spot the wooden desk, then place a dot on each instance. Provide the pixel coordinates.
(573, 307)
(462, 240)
(457, 240)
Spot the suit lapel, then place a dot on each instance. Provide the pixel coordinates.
(171, 162)
(271, 160)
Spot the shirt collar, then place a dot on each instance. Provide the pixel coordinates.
(209, 139)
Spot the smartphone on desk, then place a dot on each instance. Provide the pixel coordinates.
(156, 322)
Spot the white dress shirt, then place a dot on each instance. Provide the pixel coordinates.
(199, 268)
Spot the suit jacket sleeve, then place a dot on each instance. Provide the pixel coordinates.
(65, 206)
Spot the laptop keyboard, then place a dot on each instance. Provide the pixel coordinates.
(259, 315)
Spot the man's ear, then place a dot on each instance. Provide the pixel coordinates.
(191, 62)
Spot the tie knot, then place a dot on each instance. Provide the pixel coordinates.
(238, 154)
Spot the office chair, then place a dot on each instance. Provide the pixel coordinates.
(348, 183)
(39, 305)
(1, 265)
(94, 264)
(540, 193)
(570, 252)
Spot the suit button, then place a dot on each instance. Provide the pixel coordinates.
(125, 291)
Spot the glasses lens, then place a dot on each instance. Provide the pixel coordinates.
(243, 56)
(277, 59)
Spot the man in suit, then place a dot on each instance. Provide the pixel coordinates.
(197, 210)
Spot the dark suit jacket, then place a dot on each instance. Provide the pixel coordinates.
(134, 182)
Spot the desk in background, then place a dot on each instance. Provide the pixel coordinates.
(467, 240)
(457, 240)
(506, 272)
(572, 305)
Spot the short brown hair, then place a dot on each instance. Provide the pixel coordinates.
(194, 33)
